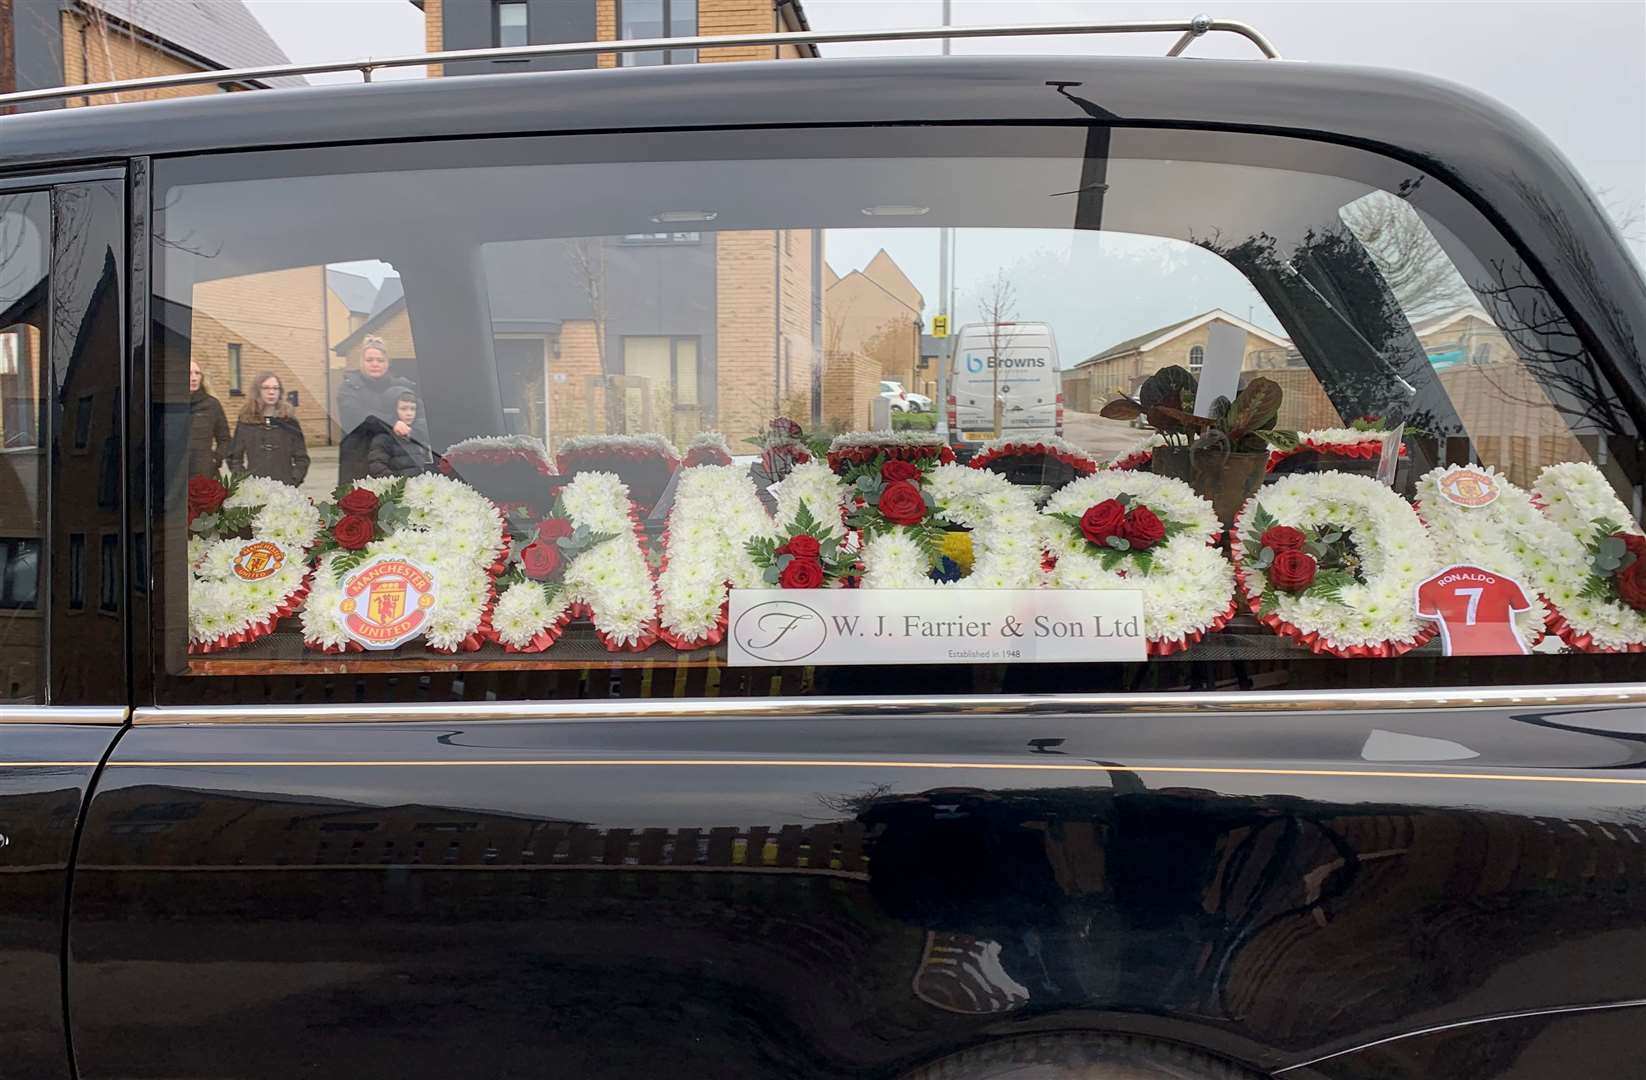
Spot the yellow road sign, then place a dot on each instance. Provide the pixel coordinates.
(940, 326)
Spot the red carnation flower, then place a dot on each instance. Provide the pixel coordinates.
(539, 560)
(1283, 538)
(902, 504)
(802, 546)
(353, 531)
(1143, 528)
(1102, 521)
(893, 471)
(358, 501)
(206, 495)
(1292, 570)
(802, 574)
(551, 529)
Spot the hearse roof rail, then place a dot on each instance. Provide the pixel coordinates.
(1188, 29)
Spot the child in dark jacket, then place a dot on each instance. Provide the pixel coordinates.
(397, 455)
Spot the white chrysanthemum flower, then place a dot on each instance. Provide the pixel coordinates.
(1575, 496)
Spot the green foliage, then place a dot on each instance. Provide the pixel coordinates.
(345, 561)
(1329, 585)
(914, 421)
(1255, 408)
(1172, 386)
(1268, 601)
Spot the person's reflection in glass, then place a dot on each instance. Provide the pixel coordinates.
(367, 406)
(208, 426)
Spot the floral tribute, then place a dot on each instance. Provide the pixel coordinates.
(1331, 561)
(1506, 534)
(1120, 530)
(805, 554)
(1362, 440)
(511, 470)
(1597, 561)
(437, 522)
(706, 547)
(784, 446)
(905, 498)
(707, 448)
(1139, 455)
(586, 557)
(870, 447)
(1007, 455)
(646, 463)
(248, 566)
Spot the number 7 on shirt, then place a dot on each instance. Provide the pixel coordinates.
(1476, 610)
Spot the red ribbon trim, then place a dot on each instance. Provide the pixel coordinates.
(1080, 463)
(1312, 640)
(1359, 451)
(287, 606)
(1162, 647)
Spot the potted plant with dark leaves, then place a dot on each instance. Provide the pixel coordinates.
(1222, 456)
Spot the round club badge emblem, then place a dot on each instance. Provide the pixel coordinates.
(387, 601)
(1468, 487)
(258, 561)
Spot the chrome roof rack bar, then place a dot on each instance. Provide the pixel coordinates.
(1190, 29)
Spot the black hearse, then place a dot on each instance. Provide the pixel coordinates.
(1335, 833)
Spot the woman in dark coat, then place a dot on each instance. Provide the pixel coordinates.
(366, 408)
(208, 427)
(393, 454)
(268, 440)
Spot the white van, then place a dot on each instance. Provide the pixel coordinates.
(1013, 363)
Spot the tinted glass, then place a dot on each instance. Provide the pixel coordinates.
(25, 233)
(1148, 333)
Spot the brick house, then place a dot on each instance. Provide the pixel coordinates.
(694, 329)
(876, 313)
(1122, 367)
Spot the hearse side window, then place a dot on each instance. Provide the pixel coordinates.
(1253, 412)
(25, 237)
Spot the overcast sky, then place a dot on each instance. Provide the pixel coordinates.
(1575, 70)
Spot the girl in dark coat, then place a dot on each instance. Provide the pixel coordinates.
(208, 427)
(366, 409)
(393, 454)
(268, 440)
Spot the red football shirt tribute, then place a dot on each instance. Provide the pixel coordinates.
(1476, 610)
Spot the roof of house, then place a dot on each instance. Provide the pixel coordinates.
(1160, 335)
(356, 291)
(884, 271)
(1447, 318)
(217, 33)
(391, 300)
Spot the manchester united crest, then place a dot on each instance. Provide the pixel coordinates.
(387, 601)
(1468, 487)
(254, 562)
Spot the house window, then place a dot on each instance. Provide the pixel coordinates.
(670, 363)
(77, 571)
(82, 422)
(1197, 359)
(639, 19)
(510, 25)
(234, 369)
(19, 573)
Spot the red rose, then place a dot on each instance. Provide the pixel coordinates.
(902, 504)
(1292, 570)
(551, 529)
(1143, 529)
(893, 471)
(1283, 538)
(353, 532)
(802, 546)
(802, 574)
(1631, 584)
(358, 501)
(1102, 521)
(206, 495)
(1635, 542)
(539, 560)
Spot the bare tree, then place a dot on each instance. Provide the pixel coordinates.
(997, 302)
(588, 256)
(1419, 273)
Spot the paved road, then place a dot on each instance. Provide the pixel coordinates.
(1102, 438)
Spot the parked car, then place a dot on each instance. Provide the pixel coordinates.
(918, 402)
(416, 784)
(896, 396)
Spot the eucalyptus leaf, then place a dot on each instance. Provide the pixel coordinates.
(1119, 543)
(771, 575)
